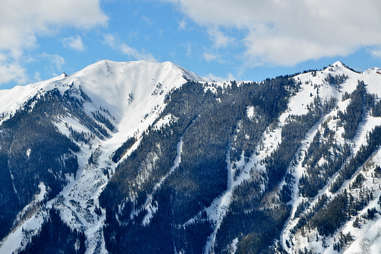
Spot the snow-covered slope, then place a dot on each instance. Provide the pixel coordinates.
(312, 85)
(133, 92)
(128, 90)
(131, 96)
(14, 98)
(226, 167)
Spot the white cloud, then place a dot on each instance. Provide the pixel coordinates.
(74, 42)
(134, 53)
(209, 57)
(12, 72)
(182, 24)
(23, 21)
(212, 78)
(220, 40)
(147, 20)
(57, 61)
(112, 42)
(109, 40)
(37, 76)
(3, 58)
(286, 32)
(376, 52)
(188, 49)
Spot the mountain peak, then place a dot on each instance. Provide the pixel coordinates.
(338, 64)
(107, 81)
(130, 90)
(108, 67)
(115, 80)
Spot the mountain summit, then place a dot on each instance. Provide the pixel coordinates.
(145, 157)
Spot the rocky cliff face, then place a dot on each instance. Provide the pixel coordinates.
(144, 157)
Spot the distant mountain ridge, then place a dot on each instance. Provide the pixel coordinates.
(146, 157)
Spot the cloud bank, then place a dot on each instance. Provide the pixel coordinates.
(287, 32)
(23, 21)
(126, 49)
(74, 42)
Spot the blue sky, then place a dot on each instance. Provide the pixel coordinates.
(219, 39)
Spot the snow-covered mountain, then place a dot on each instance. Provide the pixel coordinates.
(145, 157)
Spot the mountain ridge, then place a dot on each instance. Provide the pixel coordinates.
(222, 168)
(105, 65)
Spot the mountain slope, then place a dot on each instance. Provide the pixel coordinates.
(144, 157)
(91, 122)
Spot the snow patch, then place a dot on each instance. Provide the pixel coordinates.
(151, 206)
(250, 111)
(18, 239)
(233, 246)
(297, 171)
(27, 153)
(43, 191)
(165, 121)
